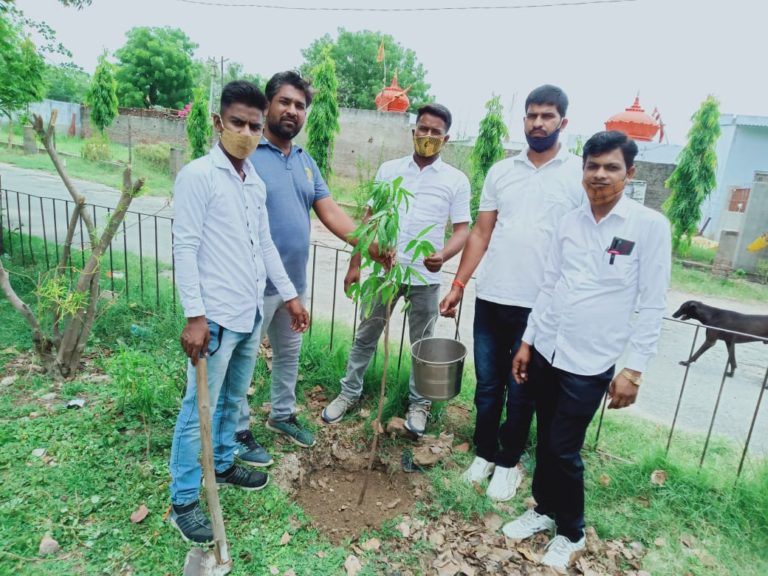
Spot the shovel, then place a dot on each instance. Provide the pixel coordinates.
(214, 562)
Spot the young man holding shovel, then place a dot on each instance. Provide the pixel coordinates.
(224, 253)
(441, 193)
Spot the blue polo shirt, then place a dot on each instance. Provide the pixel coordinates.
(294, 184)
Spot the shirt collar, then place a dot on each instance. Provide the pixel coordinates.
(621, 210)
(220, 160)
(295, 148)
(562, 155)
(437, 165)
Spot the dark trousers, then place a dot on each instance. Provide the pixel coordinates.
(565, 405)
(498, 330)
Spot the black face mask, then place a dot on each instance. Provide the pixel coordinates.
(542, 143)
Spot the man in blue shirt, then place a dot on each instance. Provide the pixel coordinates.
(224, 253)
(294, 187)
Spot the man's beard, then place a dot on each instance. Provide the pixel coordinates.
(284, 132)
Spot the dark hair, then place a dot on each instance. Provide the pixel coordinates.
(548, 94)
(242, 92)
(291, 78)
(436, 110)
(604, 142)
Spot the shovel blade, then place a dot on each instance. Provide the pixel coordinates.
(200, 562)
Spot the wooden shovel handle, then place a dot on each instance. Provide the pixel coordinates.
(221, 548)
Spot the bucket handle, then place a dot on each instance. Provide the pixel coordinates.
(432, 321)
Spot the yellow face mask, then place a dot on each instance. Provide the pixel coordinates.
(428, 146)
(237, 145)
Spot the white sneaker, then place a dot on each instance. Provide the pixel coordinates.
(527, 525)
(479, 470)
(561, 551)
(503, 485)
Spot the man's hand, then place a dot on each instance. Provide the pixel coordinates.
(434, 262)
(195, 338)
(299, 315)
(451, 301)
(520, 363)
(386, 258)
(353, 276)
(622, 392)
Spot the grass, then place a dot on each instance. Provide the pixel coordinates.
(111, 456)
(158, 182)
(702, 282)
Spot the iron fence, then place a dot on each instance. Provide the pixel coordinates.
(140, 260)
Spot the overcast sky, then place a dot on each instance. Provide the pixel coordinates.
(674, 52)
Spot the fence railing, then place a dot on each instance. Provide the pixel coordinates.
(140, 259)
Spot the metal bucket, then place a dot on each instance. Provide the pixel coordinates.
(437, 365)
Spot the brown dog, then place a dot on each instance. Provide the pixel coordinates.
(752, 324)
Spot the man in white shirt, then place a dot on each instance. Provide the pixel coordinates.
(441, 193)
(224, 253)
(522, 202)
(609, 259)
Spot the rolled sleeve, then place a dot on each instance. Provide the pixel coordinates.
(190, 201)
(655, 269)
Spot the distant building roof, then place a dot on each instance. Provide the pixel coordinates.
(658, 153)
(743, 120)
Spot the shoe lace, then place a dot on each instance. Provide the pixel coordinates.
(193, 519)
(247, 439)
(239, 476)
(531, 518)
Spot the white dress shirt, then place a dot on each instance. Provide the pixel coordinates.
(221, 243)
(583, 316)
(529, 202)
(440, 193)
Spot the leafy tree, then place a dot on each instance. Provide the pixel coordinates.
(694, 177)
(359, 75)
(66, 82)
(155, 68)
(21, 66)
(199, 125)
(323, 121)
(102, 95)
(488, 148)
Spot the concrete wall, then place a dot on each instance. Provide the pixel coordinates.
(741, 150)
(145, 127)
(654, 175)
(367, 138)
(64, 119)
(754, 224)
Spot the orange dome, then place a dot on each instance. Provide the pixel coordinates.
(634, 122)
(392, 98)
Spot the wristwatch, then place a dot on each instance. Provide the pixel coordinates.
(636, 379)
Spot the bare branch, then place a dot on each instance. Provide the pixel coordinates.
(46, 135)
(40, 341)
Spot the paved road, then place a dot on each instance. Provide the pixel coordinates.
(663, 379)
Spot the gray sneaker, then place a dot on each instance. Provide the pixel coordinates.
(293, 430)
(337, 408)
(416, 418)
(192, 523)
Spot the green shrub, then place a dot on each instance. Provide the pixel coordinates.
(96, 149)
(158, 156)
(761, 269)
(146, 386)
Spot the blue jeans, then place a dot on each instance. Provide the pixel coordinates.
(498, 331)
(231, 360)
(565, 405)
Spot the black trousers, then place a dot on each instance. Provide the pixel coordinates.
(498, 330)
(565, 405)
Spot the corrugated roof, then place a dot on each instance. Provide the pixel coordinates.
(743, 120)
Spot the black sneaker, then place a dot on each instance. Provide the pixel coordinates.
(249, 451)
(242, 478)
(192, 523)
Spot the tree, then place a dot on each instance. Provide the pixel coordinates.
(155, 68)
(199, 125)
(66, 82)
(359, 74)
(72, 304)
(694, 177)
(488, 148)
(323, 121)
(21, 66)
(102, 95)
